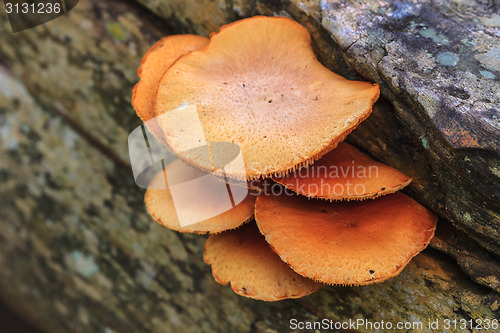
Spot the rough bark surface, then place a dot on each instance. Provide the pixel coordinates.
(78, 251)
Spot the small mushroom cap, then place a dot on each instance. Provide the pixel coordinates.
(153, 65)
(259, 85)
(345, 173)
(243, 257)
(203, 198)
(345, 243)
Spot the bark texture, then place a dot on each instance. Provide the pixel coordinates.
(78, 251)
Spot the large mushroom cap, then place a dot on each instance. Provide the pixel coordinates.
(346, 243)
(345, 173)
(243, 258)
(259, 85)
(197, 195)
(153, 65)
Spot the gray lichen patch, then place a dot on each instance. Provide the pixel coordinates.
(487, 74)
(447, 58)
(490, 59)
(412, 29)
(431, 33)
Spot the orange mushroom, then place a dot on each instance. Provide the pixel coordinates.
(153, 65)
(243, 258)
(345, 173)
(345, 243)
(258, 84)
(194, 201)
(255, 95)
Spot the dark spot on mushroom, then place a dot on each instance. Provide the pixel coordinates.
(244, 290)
(270, 101)
(243, 85)
(383, 188)
(372, 271)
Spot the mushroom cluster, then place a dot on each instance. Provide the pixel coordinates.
(258, 85)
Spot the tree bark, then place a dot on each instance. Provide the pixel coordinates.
(77, 249)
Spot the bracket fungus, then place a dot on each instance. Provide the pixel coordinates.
(345, 173)
(259, 85)
(345, 243)
(243, 258)
(201, 198)
(153, 65)
(256, 85)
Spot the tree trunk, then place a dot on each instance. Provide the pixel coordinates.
(80, 254)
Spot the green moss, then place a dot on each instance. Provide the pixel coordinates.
(116, 31)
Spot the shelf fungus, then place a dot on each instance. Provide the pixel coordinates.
(243, 258)
(153, 65)
(345, 243)
(196, 201)
(258, 84)
(345, 174)
(250, 105)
